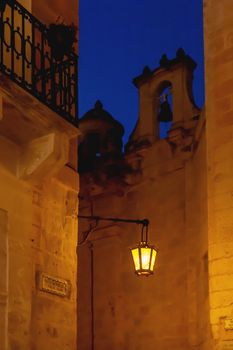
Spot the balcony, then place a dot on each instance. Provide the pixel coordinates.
(38, 98)
(27, 59)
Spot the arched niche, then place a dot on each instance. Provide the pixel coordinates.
(163, 109)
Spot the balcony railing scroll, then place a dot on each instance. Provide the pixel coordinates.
(27, 58)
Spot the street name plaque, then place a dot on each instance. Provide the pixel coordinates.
(53, 285)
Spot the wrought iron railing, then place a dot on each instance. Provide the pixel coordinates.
(27, 58)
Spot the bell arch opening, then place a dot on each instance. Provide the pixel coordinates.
(164, 111)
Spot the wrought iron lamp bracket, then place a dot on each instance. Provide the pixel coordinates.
(143, 222)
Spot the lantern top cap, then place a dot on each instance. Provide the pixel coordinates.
(144, 244)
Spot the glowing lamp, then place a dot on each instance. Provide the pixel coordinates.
(144, 255)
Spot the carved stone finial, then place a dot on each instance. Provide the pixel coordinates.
(180, 53)
(164, 61)
(146, 71)
(98, 105)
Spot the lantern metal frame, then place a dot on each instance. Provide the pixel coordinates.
(142, 244)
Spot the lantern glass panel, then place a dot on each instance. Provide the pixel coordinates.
(145, 258)
(136, 259)
(154, 254)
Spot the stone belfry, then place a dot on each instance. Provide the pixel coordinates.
(38, 174)
(176, 76)
(160, 176)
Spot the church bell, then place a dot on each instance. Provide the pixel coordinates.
(165, 113)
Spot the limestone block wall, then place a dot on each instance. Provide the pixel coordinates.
(38, 209)
(3, 279)
(42, 236)
(218, 18)
(54, 230)
(169, 310)
(196, 228)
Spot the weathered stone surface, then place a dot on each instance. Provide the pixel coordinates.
(3, 279)
(218, 18)
(170, 309)
(38, 222)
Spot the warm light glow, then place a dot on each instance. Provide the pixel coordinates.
(135, 253)
(144, 257)
(152, 264)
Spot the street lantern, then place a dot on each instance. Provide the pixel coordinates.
(144, 255)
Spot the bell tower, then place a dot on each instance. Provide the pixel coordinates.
(171, 81)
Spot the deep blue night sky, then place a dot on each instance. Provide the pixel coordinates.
(118, 38)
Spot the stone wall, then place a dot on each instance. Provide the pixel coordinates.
(169, 309)
(218, 18)
(197, 247)
(3, 279)
(41, 234)
(54, 240)
(38, 211)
